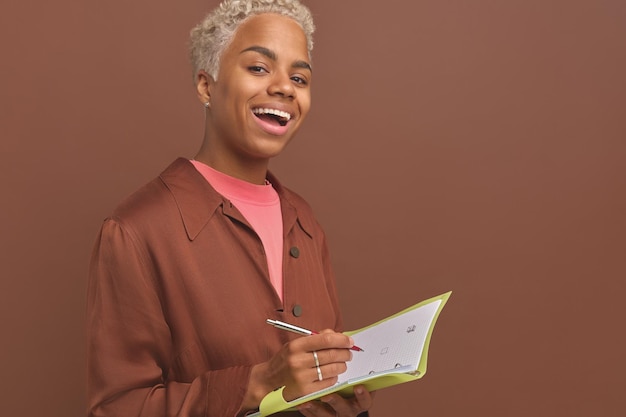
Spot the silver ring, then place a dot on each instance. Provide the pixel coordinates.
(317, 367)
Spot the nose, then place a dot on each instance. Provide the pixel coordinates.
(282, 85)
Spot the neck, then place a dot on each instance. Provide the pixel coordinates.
(253, 171)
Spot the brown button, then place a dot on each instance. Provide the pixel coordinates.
(297, 310)
(294, 251)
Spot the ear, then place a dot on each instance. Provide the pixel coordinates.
(204, 84)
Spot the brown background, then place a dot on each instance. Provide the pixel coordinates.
(473, 146)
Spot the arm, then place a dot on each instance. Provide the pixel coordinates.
(129, 342)
(294, 367)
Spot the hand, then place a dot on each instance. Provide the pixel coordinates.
(297, 362)
(294, 367)
(335, 405)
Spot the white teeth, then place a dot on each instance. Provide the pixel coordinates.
(279, 113)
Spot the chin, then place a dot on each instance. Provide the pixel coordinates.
(274, 146)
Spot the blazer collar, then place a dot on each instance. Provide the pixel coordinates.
(197, 201)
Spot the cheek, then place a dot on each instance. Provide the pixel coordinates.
(305, 104)
(237, 91)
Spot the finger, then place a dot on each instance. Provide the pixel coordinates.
(342, 406)
(330, 372)
(314, 378)
(322, 341)
(316, 409)
(361, 401)
(350, 339)
(363, 397)
(327, 356)
(306, 360)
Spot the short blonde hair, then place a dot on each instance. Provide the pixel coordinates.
(212, 36)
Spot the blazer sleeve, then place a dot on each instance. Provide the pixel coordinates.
(129, 346)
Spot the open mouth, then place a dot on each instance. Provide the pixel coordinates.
(272, 115)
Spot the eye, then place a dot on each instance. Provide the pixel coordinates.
(299, 80)
(257, 69)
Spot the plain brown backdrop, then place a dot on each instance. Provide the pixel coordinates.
(473, 146)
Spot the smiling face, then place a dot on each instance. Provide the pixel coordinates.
(261, 96)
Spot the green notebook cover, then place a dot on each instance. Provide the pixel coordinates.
(395, 352)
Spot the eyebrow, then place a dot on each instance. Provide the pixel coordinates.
(272, 55)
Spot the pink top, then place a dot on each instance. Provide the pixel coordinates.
(260, 205)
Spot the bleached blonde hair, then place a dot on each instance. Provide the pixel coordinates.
(212, 36)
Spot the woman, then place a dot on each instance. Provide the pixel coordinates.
(187, 270)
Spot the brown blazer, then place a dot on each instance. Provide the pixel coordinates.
(179, 292)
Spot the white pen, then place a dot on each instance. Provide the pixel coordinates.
(299, 330)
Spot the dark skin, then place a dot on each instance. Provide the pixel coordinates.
(266, 66)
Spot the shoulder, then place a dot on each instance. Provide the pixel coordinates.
(159, 201)
(177, 204)
(147, 202)
(300, 204)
